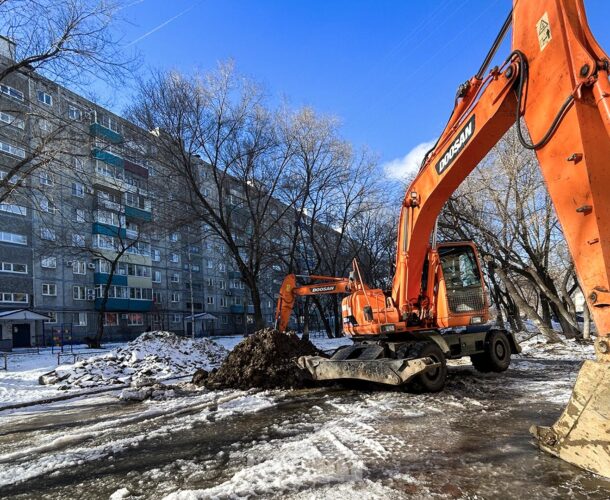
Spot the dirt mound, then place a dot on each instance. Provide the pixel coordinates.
(264, 360)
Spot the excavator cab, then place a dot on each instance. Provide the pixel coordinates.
(460, 289)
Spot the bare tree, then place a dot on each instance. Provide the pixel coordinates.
(69, 41)
(217, 136)
(505, 208)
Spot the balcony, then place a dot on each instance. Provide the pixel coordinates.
(136, 169)
(138, 213)
(239, 309)
(97, 130)
(107, 157)
(110, 205)
(99, 228)
(234, 275)
(117, 279)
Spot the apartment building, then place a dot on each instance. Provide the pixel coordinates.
(89, 229)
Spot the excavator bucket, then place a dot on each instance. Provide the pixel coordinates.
(581, 436)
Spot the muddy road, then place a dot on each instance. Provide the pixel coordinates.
(470, 441)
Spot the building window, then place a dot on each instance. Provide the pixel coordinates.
(140, 293)
(18, 239)
(14, 297)
(74, 113)
(78, 240)
(174, 257)
(210, 281)
(157, 297)
(210, 264)
(78, 189)
(11, 267)
(45, 98)
(46, 179)
(79, 267)
(222, 267)
(175, 318)
(79, 293)
(13, 209)
(12, 150)
(222, 284)
(155, 255)
(223, 302)
(174, 237)
(156, 277)
(49, 289)
(210, 300)
(46, 205)
(225, 319)
(175, 278)
(175, 297)
(135, 319)
(109, 122)
(111, 319)
(52, 317)
(11, 92)
(48, 262)
(12, 120)
(195, 268)
(79, 215)
(79, 319)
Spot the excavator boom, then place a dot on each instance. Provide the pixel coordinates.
(556, 82)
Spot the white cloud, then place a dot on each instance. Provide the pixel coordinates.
(399, 168)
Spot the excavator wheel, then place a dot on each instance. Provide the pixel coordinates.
(430, 380)
(496, 357)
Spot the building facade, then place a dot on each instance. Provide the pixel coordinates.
(89, 230)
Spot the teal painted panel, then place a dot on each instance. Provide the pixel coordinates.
(137, 213)
(99, 228)
(102, 279)
(140, 305)
(239, 309)
(107, 157)
(113, 305)
(98, 130)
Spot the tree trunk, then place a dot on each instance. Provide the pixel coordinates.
(322, 313)
(586, 316)
(306, 319)
(255, 296)
(548, 333)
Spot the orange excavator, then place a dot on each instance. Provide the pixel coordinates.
(556, 80)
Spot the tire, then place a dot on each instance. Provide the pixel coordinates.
(432, 380)
(496, 358)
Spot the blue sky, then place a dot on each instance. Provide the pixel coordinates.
(388, 68)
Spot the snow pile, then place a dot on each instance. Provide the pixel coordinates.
(535, 346)
(152, 356)
(266, 359)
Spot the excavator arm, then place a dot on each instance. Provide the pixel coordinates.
(556, 81)
(289, 292)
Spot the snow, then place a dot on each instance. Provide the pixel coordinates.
(321, 443)
(151, 357)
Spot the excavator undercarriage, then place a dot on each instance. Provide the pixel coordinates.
(398, 362)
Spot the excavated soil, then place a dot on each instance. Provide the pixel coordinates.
(266, 360)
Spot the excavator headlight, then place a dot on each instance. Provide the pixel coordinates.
(388, 328)
(476, 320)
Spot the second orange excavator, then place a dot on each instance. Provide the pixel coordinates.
(556, 80)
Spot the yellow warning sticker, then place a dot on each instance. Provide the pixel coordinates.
(543, 29)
